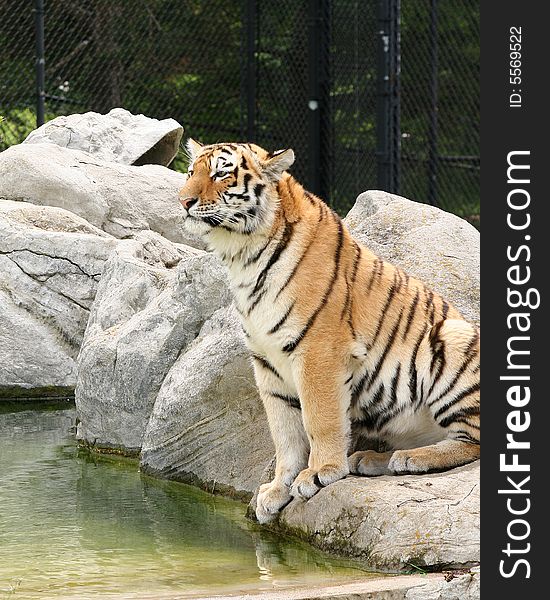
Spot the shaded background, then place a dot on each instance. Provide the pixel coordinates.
(369, 93)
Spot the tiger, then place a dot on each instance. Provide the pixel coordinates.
(344, 345)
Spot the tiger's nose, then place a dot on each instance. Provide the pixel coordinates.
(188, 202)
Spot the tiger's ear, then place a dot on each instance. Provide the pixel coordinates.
(193, 148)
(278, 163)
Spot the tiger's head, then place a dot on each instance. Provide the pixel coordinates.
(231, 187)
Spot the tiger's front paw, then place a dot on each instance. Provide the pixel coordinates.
(271, 498)
(310, 481)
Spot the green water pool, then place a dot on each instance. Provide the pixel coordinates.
(73, 525)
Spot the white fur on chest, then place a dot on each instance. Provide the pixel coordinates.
(262, 309)
(268, 345)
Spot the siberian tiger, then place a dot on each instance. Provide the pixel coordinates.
(343, 343)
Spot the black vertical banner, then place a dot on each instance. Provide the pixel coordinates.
(515, 301)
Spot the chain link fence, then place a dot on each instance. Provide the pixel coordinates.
(371, 93)
(440, 112)
(17, 72)
(162, 58)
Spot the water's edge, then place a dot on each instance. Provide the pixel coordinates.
(78, 523)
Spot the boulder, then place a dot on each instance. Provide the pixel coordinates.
(392, 523)
(437, 247)
(164, 370)
(119, 136)
(151, 303)
(119, 199)
(50, 264)
(208, 425)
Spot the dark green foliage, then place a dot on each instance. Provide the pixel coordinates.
(186, 59)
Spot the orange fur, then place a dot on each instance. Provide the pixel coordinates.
(344, 343)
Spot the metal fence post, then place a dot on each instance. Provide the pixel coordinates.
(40, 62)
(318, 104)
(434, 93)
(251, 70)
(314, 167)
(388, 128)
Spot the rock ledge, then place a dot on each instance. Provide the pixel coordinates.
(394, 523)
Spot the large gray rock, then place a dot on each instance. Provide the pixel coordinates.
(393, 522)
(50, 264)
(437, 247)
(151, 303)
(119, 136)
(119, 199)
(208, 425)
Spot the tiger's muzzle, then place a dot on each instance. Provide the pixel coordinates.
(188, 202)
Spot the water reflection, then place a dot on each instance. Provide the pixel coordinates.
(76, 525)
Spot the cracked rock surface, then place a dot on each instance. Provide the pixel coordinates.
(122, 200)
(152, 301)
(393, 522)
(119, 136)
(208, 425)
(164, 371)
(50, 264)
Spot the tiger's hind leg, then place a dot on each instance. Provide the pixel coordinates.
(444, 455)
(449, 378)
(451, 369)
(447, 454)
